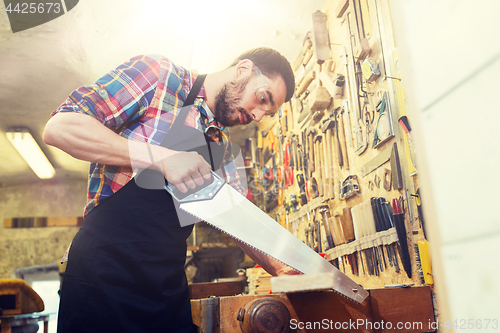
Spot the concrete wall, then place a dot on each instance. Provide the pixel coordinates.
(26, 247)
(451, 66)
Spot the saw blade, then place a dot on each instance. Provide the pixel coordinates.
(232, 213)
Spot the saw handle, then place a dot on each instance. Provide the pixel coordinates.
(205, 192)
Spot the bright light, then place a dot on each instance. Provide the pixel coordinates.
(31, 152)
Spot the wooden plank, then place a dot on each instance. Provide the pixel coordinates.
(62, 221)
(306, 282)
(196, 311)
(205, 290)
(411, 307)
(333, 312)
(327, 311)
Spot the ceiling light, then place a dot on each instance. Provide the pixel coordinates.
(26, 145)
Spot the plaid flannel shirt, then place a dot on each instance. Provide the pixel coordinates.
(140, 100)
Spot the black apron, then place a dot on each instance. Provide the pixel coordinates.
(125, 270)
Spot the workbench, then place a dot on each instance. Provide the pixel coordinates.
(7, 322)
(385, 310)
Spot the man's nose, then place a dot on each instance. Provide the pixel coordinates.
(257, 114)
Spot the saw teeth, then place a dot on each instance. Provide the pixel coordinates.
(253, 247)
(262, 251)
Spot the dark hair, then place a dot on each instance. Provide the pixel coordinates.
(271, 63)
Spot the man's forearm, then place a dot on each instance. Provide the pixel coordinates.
(85, 138)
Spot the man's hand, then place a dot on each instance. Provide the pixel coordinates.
(185, 170)
(270, 265)
(285, 270)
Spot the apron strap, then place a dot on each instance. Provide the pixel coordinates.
(195, 89)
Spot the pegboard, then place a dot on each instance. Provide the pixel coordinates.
(338, 146)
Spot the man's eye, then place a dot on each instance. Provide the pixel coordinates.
(261, 98)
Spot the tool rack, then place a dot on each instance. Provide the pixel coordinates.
(337, 164)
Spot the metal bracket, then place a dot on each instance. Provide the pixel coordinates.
(350, 187)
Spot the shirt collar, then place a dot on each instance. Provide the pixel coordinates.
(205, 111)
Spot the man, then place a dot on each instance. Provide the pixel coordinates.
(125, 265)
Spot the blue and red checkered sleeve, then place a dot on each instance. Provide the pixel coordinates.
(120, 96)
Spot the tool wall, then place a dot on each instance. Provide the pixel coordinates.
(336, 167)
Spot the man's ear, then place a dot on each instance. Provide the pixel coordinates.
(244, 67)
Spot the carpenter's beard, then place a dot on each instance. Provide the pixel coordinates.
(227, 103)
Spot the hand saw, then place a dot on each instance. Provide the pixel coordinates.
(224, 208)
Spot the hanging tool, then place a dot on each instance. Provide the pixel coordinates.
(338, 234)
(350, 236)
(358, 219)
(304, 117)
(405, 124)
(328, 124)
(311, 230)
(271, 140)
(310, 135)
(319, 163)
(376, 162)
(306, 81)
(305, 47)
(334, 86)
(368, 225)
(361, 144)
(327, 224)
(299, 174)
(397, 175)
(349, 187)
(425, 261)
(345, 107)
(385, 208)
(322, 145)
(248, 153)
(339, 148)
(362, 48)
(259, 146)
(387, 179)
(382, 224)
(343, 139)
(371, 71)
(418, 200)
(383, 129)
(319, 244)
(399, 223)
(323, 210)
(374, 228)
(345, 228)
(321, 38)
(286, 165)
(423, 245)
(305, 155)
(285, 122)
